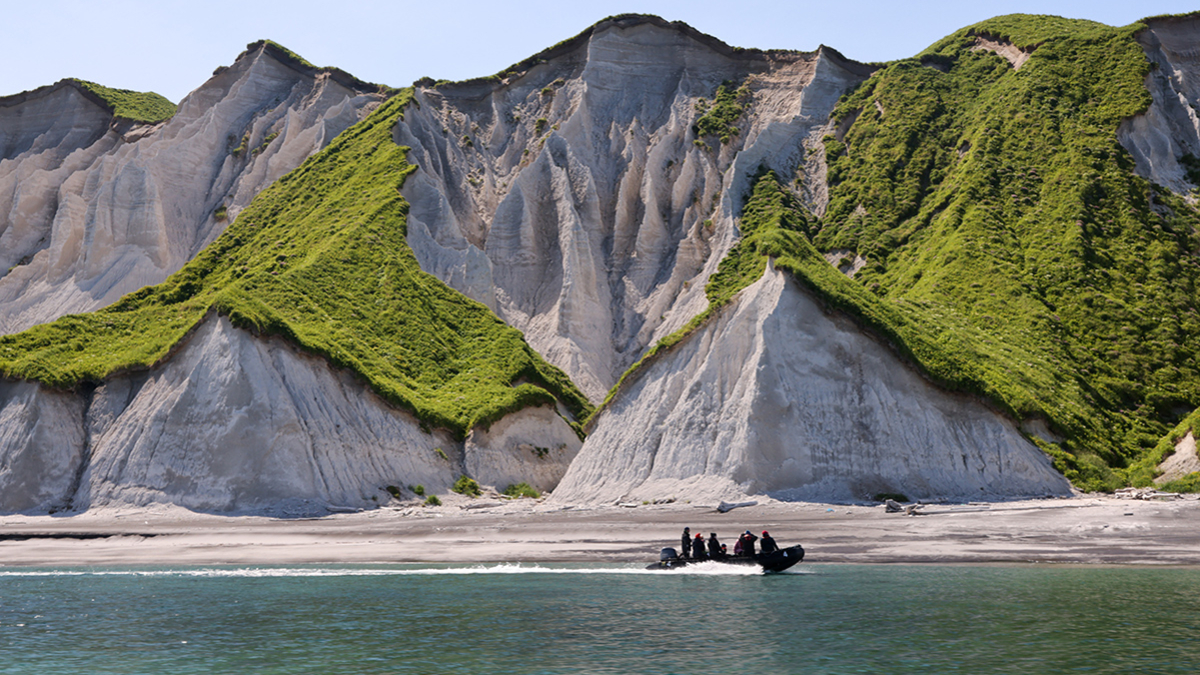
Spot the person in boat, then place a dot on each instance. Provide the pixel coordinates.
(685, 543)
(724, 551)
(714, 546)
(768, 544)
(698, 547)
(747, 541)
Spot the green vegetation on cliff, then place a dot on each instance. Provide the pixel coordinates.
(770, 213)
(998, 210)
(720, 117)
(321, 259)
(1012, 251)
(132, 105)
(1145, 470)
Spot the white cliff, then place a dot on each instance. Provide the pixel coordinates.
(776, 397)
(92, 208)
(235, 423)
(42, 441)
(574, 198)
(1169, 130)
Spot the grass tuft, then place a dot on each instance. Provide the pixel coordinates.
(137, 106)
(521, 490)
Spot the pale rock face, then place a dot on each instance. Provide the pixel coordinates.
(49, 124)
(1182, 462)
(775, 397)
(502, 455)
(580, 210)
(1170, 128)
(88, 214)
(42, 442)
(234, 423)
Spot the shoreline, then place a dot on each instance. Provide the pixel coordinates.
(1089, 530)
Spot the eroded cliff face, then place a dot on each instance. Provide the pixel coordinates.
(92, 208)
(236, 423)
(1162, 138)
(576, 200)
(775, 397)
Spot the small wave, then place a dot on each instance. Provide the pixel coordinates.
(701, 569)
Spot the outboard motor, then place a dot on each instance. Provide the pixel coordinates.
(667, 554)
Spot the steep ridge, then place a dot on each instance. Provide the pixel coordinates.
(1019, 255)
(800, 391)
(774, 396)
(94, 206)
(1001, 211)
(1165, 139)
(1165, 144)
(188, 409)
(573, 195)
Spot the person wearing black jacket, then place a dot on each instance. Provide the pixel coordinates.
(698, 547)
(714, 546)
(685, 543)
(768, 544)
(748, 540)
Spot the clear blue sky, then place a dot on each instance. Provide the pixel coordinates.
(172, 47)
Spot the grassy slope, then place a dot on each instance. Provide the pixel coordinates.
(998, 208)
(1013, 252)
(320, 258)
(134, 105)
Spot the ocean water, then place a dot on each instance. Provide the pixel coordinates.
(523, 619)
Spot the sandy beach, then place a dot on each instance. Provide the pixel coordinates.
(1082, 530)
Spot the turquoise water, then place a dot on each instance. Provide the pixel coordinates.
(889, 620)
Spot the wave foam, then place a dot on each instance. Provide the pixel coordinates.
(701, 569)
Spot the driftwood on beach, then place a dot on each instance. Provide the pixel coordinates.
(726, 507)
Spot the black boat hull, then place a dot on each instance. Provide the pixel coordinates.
(776, 561)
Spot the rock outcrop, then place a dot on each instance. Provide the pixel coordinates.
(774, 396)
(236, 423)
(1167, 136)
(92, 207)
(1182, 462)
(574, 197)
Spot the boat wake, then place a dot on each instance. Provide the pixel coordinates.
(701, 569)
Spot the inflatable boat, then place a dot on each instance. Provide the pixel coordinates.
(776, 561)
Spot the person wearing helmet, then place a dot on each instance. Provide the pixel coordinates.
(685, 543)
(714, 546)
(768, 544)
(698, 547)
(747, 541)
